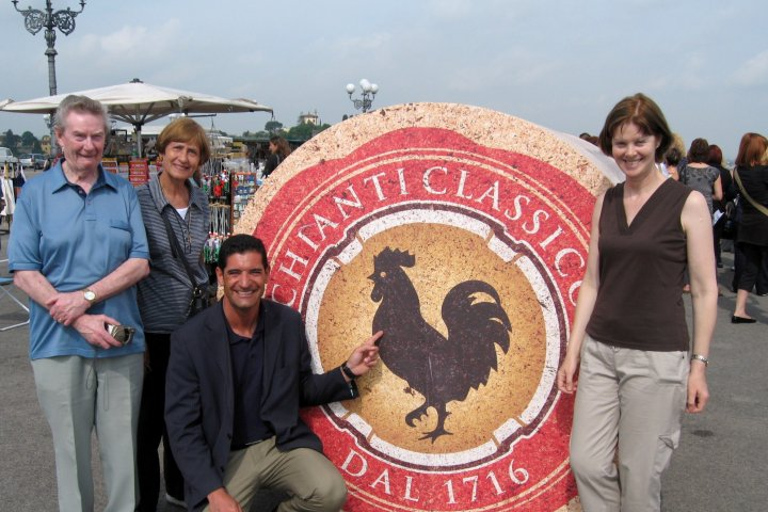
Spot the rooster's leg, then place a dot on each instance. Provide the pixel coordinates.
(416, 414)
(442, 414)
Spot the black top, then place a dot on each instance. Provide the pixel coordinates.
(729, 193)
(753, 228)
(639, 300)
(247, 356)
(273, 160)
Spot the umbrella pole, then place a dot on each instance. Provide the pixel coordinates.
(137, 132)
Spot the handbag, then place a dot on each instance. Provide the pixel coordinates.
(200, 299)
(732, 218)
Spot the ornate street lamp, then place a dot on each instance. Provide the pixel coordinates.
(34, 21)
(367, 95)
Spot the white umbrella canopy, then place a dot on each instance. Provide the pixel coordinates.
(138, 103)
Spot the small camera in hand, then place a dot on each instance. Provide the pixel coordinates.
(122, 333)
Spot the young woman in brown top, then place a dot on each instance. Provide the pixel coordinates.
(629, 338)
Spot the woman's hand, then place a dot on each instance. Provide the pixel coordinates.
(566, 381)
(698, 392)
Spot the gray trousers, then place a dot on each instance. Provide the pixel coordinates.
(77, 396)
(629, 406)
(311, 481)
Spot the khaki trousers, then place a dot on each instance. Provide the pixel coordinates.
(630, 400)
(79, 395)
(311, 481)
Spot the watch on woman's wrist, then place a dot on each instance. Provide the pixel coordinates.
(699, 357)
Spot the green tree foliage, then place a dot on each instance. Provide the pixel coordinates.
(11, 140)
(28, 139)
(273, 126)
(305, 131)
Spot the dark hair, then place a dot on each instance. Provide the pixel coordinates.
(751, 149)
(646, 114)
(673, 156)
(241, 244)
(188, 131)
(699, 151)
(83, 104)
(283, 148)
(715, 157)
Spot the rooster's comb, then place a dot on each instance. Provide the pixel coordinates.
(396, 257)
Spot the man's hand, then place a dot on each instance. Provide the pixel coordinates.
(220, 501)
(65, 308)
(365, 356)
(91, 327)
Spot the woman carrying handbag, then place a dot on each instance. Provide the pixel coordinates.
(176, 216)
(751, 177)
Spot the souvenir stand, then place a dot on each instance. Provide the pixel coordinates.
(230, 185)
(10, 171)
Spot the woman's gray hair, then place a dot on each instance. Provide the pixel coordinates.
(75, 103)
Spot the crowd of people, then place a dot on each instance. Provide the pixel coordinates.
(121, 340)
(736, 200)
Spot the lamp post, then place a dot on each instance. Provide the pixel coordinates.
(368, 93)
(34, 21)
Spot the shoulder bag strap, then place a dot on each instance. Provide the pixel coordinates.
(176, 249)
(762, 209)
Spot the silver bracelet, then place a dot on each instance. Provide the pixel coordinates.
(700, 358)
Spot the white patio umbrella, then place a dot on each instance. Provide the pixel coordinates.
(137, 103)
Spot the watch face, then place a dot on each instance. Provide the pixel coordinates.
(89, 295)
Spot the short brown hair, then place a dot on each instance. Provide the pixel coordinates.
(188, 131)
(699, 151)
(642, 111)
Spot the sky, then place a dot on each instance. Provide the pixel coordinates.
(560, 64)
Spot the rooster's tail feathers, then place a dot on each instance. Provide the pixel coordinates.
(465, 310)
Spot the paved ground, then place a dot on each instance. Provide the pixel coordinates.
(720, 465)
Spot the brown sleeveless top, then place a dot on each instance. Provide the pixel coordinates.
(639, 300)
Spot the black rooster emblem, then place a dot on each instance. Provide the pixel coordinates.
(441, 369)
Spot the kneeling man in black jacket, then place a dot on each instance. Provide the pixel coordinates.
(237, 375)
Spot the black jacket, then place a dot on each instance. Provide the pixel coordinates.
(199, 407)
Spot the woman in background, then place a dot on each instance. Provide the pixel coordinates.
(751, 177)
(672, 160)
(165, 295)
(700, 176)
(278, 151)
(726, 182)
(629, 339)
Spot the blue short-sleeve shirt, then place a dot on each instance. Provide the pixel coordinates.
(75, 239)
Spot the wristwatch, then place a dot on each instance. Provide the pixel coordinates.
(346, 370)
(89, 295)
(701, 358)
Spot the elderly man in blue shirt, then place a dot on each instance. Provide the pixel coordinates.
(77, 248)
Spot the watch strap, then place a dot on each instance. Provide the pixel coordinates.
(701, 358)
(346, 370)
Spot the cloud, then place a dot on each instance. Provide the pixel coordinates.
(130, 45)
(754, 72)
(451, 9)
(513, 67)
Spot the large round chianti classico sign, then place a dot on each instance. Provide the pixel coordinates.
(461, 233)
